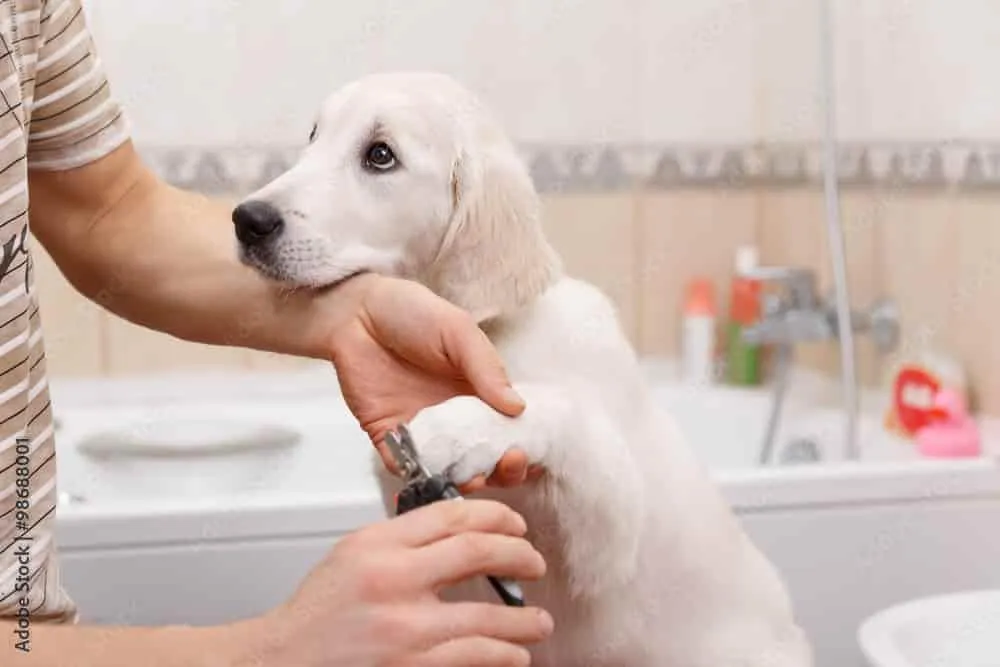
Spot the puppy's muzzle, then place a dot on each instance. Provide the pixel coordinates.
(257, 222)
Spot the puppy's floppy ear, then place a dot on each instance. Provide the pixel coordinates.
(494, 256)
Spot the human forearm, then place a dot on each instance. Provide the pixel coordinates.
(338, 615)
(166, 259)
(111, 646)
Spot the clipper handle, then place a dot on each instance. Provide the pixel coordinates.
(432, 489)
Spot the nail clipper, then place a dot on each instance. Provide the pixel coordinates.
(423, 488)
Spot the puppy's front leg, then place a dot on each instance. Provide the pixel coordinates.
(592, 482)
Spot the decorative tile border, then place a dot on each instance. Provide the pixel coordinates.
(601, 168)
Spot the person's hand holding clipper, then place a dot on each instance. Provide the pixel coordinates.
(374, 599)
(423, 488)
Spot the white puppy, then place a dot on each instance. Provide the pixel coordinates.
(408, 175)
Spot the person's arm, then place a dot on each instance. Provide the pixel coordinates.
(371, 600)
(159, 256)
(44, 645)
(165, 258)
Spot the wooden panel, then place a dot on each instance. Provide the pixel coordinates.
(683, 235)
(596, 237)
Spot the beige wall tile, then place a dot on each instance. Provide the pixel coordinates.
(595, 235)
(71, 323)
(862, 214)
(919, 244)
(972, 298)
(791, 229)
(683, 235)
(939, 258)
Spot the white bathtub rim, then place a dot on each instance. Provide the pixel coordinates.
(285, 515)
(829, 484)
(834, 484)
(224, 518)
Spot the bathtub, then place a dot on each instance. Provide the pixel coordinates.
(230, 533)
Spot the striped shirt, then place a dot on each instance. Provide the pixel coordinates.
(56, 112)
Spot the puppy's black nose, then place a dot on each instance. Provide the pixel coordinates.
(256, 222)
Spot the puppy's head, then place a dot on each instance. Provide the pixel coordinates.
(405, 174)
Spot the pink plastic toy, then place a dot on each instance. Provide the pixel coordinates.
(953, 434)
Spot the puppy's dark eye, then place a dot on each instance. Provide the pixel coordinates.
(379, 157)
(312, 135)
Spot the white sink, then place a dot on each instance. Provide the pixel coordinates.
(957, 630)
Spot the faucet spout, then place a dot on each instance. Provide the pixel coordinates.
(800, 315)
(790, 327)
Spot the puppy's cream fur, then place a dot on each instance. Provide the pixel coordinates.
(648, 567)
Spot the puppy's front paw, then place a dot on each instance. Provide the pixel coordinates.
(460, 438)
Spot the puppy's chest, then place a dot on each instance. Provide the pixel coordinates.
(533, 355)
(569, 332)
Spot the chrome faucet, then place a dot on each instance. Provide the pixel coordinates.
(798, 314)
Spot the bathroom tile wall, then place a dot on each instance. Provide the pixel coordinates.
(662, 135)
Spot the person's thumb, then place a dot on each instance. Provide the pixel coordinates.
(474, 356)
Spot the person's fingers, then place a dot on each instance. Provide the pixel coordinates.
(477, 483)
(471, 352)
(475, 652)
(469, 555)
(387, 459)
(520, 625)
(512, 469)
(443, 520)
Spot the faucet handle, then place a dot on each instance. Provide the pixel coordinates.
(883, 321)
(800, 282)
(772, 305)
